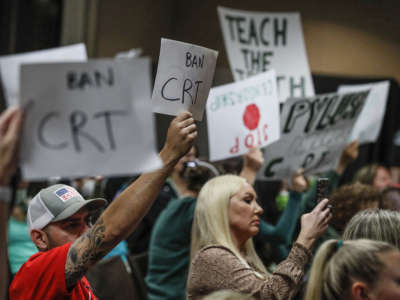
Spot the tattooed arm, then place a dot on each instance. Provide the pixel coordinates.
(125, 212)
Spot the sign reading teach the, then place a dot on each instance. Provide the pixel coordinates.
(258, 41)
(184, 76)
(10, 66)
(314, 131)
(242, 115)
(85, 119)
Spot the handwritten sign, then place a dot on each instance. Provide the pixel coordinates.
(85, 119)
(369, 124)
(184, 76)
(258, 41)
(314, 131)
(242, 115)
(10, 66)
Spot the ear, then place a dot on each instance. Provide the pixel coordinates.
(40, 239)
(359, 291)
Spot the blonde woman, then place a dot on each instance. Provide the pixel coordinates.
(355, 270)
(375, 224)
(223, 257)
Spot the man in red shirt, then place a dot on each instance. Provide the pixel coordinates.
(57, 219)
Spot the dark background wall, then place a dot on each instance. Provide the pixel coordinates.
(347, 37)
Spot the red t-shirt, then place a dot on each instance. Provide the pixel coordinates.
(43, 277)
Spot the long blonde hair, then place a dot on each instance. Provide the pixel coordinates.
(338, 263)
(211, 220)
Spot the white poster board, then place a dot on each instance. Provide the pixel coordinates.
(85, 119)
(184, 77)
(242, 115)
(258, 41)
(10, 66)
(314, 132)
(369, 124)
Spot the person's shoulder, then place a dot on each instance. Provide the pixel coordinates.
(181, 203)
(215, 258)
(43, 271)
(213, 252)
(38, 259)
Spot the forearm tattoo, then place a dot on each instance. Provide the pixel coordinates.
(85, 252)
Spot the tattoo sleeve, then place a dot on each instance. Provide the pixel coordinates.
(84, 252)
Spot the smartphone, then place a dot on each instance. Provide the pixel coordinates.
(322, 188)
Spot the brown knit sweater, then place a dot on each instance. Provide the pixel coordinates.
(217, 268)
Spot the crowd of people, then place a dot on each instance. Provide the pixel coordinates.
(195, 222)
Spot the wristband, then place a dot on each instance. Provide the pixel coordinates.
(5, 194)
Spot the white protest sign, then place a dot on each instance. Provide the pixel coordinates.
(258, 41)
(314, 131)
(85, 119)
(10, 66)
(369, 124)
(184, 77)
(242, 115)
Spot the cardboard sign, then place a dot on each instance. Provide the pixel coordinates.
(10, 66)
(184, 76)
(314, 131)
(258, 41)
(369, 124)
(242, 115)
(85, 119)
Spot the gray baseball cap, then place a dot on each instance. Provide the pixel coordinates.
(56, 203)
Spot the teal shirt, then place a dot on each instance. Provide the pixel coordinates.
(281, 234)
(20, 245)
(169, 251)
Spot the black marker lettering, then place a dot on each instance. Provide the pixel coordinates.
(107, 119)
(108, 80)
(78, 120)
(41, 134)
(280, 33)
(163, 87)
(186, 89)
(268, 170)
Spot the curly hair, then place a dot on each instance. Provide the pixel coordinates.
(349, 200)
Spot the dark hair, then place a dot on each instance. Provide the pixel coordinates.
(349, 200)
(197, 173)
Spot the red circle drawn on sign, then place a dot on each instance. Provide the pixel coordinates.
(251, 116)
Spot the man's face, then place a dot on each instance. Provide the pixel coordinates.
(68, 230)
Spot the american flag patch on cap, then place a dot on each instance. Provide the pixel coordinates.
(66, 193)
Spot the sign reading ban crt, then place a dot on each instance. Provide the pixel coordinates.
(184, 76)
(87, 118)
